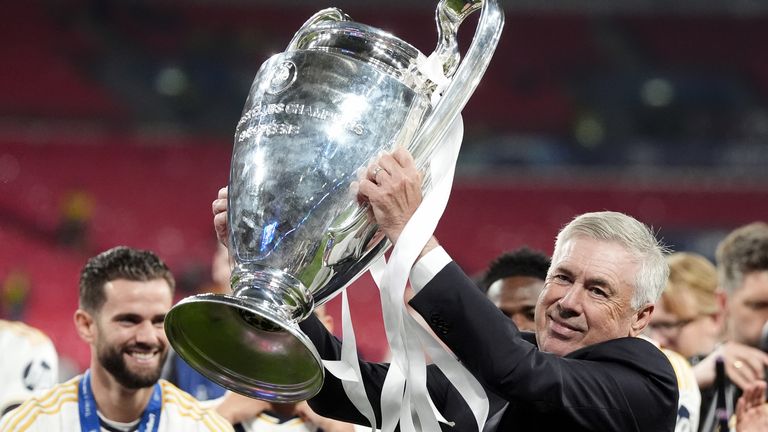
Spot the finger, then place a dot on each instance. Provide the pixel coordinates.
(403, 157)
(755, 364)
(755, 394)
(362, 172)
(219, 206)
(373, 173)
(390, 167)
(220, 222)
(366, 188)
(741, 408)
(761, 388)
(224, 192)
(220, 226)
(743, 363)
(408, 165)
(751, 363)
(354, 188)
(739, 376)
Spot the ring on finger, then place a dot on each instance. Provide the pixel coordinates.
(376, 171)
(738, 364)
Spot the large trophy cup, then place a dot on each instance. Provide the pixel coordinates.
(340, 94)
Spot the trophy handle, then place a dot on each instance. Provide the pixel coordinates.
(328, 14)
(449, 15)
(466, 76)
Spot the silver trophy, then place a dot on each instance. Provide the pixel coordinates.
(340, 94)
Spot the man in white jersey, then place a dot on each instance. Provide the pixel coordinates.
(28, 363)
(124, 296)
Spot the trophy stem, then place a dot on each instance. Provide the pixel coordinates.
(273, 291)
(250, 342)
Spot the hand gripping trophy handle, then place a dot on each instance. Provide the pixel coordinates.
(340, 94)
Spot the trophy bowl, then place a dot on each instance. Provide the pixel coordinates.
(315, 115)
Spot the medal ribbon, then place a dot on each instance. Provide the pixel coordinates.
(89, 419)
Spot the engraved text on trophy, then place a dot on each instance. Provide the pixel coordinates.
(287, 128)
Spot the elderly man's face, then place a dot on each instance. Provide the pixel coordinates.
(587, 297)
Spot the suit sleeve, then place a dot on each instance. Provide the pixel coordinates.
(333, 402)
(603, 387)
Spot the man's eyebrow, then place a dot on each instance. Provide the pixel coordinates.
(136, 317)
(602, 283)
(562, 269)
(126, 316)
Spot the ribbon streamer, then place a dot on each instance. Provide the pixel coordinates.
(405, 399)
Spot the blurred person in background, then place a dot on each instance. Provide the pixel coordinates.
(28, 363)
(514, 281)
(123, 299)
(686, 323)
(742, 268)
(14, 294)
(689, 318)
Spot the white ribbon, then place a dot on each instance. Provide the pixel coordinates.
(348, 368)
(432, 68)
(405, 399)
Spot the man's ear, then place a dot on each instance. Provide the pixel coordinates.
(640, 319)
(85, 325)
(722, 306)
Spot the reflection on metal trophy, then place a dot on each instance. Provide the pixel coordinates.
(317, 113)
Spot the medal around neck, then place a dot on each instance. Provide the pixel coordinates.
(316, 114)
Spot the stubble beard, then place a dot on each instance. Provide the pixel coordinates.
(111, 358)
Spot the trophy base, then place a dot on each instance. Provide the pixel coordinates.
(246, 347)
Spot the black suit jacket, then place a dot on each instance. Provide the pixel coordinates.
(625, 384)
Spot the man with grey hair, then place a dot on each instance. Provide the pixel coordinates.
(583, 370)
(742, 267)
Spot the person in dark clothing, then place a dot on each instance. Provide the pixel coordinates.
(513, 283)
(584, 370)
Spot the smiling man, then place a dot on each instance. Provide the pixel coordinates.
(585, 369)
(124, 296)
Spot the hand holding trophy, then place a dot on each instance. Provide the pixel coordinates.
(316, 114)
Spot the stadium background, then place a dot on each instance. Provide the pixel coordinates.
(116, 122)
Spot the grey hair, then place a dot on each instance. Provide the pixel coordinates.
(743, 251)
(636, 237)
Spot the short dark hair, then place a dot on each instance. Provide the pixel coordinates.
(120, 262)
(743, 251)
(520, 262)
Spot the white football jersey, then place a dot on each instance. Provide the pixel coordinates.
(267, 423)
(28, 363)
(57, 410)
